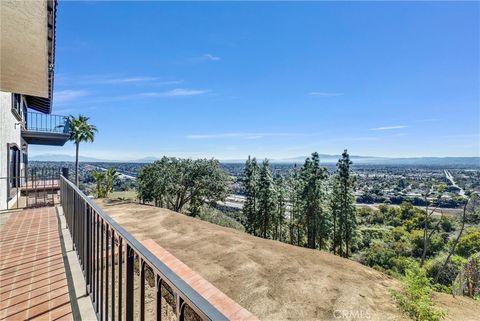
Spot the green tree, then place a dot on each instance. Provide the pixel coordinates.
(279, 218)
(469, 243)
(427, 235)
(436, 244)
(174, 183)
(266, 200)
(250, 181)
(207, 183)
(80, 131)
(316, 217)
(295, 225)
(146, 184)
(111, 176)
(343, 206)
(449, 273)
(468, 280)
(417, 301)
(99, 177)
(470, 208)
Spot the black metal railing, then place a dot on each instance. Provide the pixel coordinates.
(46, 123)
(112, 259)
(36, 188)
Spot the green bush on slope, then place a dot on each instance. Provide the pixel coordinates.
(215, 216)
(416, 300)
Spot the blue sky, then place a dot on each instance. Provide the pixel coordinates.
(273, 80)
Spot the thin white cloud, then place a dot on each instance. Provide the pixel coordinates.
(240, 135)
(67, 96)
(211, 57)
(177, 92)
(109, 79)
(325, 94)
(205, 57)
(389, 127)
(127, 80)
(168, 82)
(68, 99)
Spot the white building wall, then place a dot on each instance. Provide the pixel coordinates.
(10, 133)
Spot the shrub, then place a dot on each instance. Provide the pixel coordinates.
(370, 233)
(447, 224)
(399, 241)
(215, 216)
(416, 300)
(468, 280)
(469, 243)
(447, 277)
(400, 264)
(378, 254)
(435, 245)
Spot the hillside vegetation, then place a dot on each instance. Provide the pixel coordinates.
(312, 208)
(274, 280)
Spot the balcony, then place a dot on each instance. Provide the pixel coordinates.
(45, 129)
(73, 261)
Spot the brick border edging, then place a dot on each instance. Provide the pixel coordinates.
(224, 304)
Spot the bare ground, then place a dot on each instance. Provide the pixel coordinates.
(273, 280)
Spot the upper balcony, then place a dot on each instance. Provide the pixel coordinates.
(46, 129)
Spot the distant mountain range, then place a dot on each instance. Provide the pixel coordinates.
(62, 158)
(438, 161)
(70, 158)
(324, 158)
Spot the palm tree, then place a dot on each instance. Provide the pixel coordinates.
(99, 179)
(110, 177)
(80, 131)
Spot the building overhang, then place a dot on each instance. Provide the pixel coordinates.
(27, 50)
(42, 138)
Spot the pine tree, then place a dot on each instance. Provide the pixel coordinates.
(281, 208)
(266, 200)
(317, 219)
(336, 211)
(294, 191)
(343, 206)
(250, 183)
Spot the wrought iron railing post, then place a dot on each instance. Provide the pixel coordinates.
(102, 256)
(97, 264)
(112, 250)
(158, 305)
(120, 277)
(129, 256)
(107, 260)
(87, 249)
(142, 289)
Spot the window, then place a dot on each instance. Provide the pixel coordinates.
(17, 106)
(13, 171)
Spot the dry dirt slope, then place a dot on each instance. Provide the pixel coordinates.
(273, 280)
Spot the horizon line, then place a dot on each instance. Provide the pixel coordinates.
(291, 158)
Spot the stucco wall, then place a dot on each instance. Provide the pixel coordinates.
(9, 133)
(24, 47)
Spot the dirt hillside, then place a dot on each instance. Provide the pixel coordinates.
(273, 280)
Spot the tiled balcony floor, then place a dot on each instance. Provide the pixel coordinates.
(33, 282)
